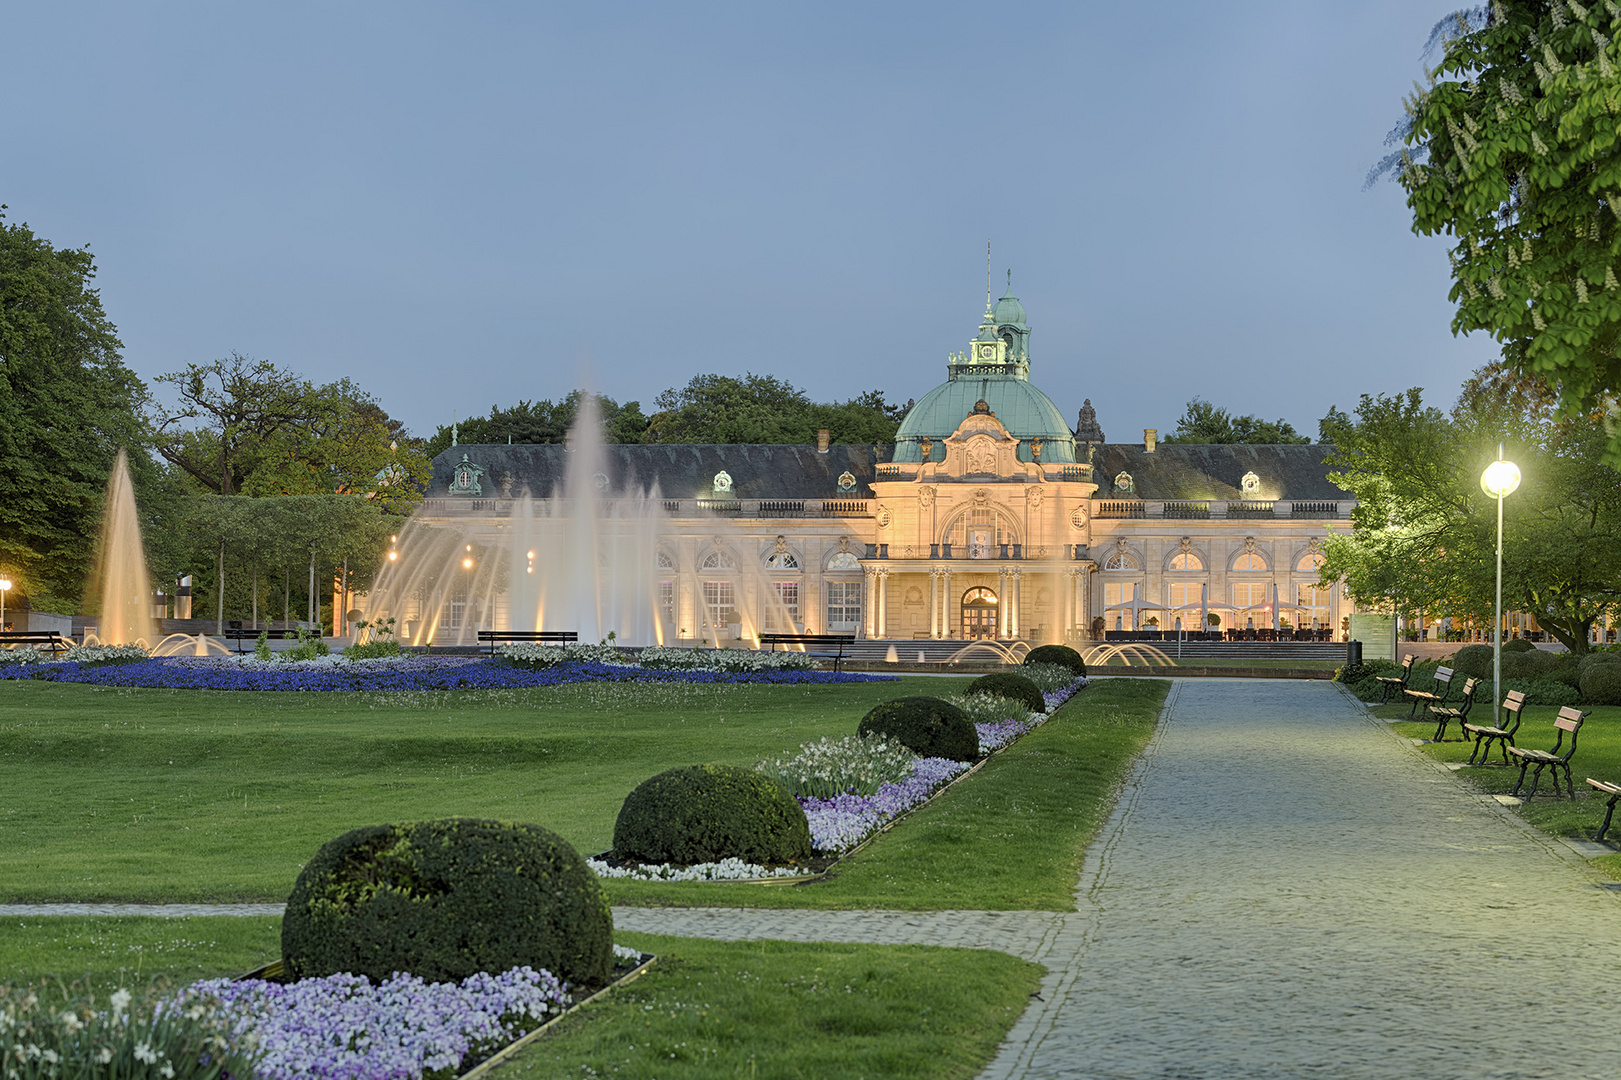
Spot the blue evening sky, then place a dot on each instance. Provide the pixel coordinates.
(462, 205)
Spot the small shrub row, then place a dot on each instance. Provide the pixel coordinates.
(705, 813)
(853, 765)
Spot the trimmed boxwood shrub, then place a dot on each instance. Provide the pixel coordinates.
(1520, 644)
(705, 813)
(1535, 664)
(1601, 679)
(1540, 691)
(1473, 661)
(1057, 654)
(446, 899)
(1010, 686)
(926, 726)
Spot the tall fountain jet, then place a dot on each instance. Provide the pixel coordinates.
(121, 574)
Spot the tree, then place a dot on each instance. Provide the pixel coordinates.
(542, 421)
(1513, 151)
(67, 404)
(718, 409)
(1424, 534)
(1203, 422)
(242, 404)
(1333, 427)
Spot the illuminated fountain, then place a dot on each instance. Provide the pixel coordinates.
(584, 559)
(124, 585)
(121, 577)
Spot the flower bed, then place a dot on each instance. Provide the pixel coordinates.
(407, 673)
(343, 1027)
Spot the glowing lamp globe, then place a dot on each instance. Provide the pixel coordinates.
(1500, 478)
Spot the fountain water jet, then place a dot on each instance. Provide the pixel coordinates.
(121, 575)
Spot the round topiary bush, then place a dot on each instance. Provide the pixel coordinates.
(446, 899)
(1594, 658)
(705, 813)
(1533, 664)
(1057, 654)
(1473, 661)
(926, 726)
(1601, 684)
(1010, 686)
(1519, 644)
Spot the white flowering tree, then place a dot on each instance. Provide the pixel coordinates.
(1512, 150)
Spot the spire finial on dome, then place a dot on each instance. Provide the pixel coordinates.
(1010, 281)
(987, 275)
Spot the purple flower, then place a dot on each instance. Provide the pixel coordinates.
(842, 822)
(343, 1028)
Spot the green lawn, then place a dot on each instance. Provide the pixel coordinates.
(103, 954)
(1011, 837)
(1598, 755)
(711, 1009)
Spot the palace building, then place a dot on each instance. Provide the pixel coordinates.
(989, 517)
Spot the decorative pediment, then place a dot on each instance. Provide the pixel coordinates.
(981, 446)
(465, 478)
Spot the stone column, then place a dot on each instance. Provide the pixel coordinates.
(1002, 602)
(946, 602)
(934, 604)
(883, 603)
(1016, 580)
(868, 609)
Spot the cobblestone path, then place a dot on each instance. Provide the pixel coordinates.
(1287, 890)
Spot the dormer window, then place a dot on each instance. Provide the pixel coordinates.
(1123, 484)
(1250, 484)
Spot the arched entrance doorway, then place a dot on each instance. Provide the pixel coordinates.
(979, 614)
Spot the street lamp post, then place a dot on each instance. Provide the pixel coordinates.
(1500, 478)
(5, 587)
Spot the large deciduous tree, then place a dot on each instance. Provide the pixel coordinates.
(1513, 151)
(542, 421)
(239, 406)
(1424, 534)
(67, 404)
(719, 409)
(1203, 422)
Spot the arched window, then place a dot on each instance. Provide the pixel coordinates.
(1310, 562)
(980, 533)
(718, 560)
(1121, 560)
(782, 560)
(1186, 561)
(665, 562)
(843, 560)
(1249, 562)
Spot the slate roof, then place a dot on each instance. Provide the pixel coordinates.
(683, 471)
(1213, 471)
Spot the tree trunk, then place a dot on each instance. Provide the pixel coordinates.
(219, 606)
(314, 598)
(286, 597)
(256, 596)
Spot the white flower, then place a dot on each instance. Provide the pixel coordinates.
(145, 1053)
(104, 1055)
(121, 1000)
(167, 1071)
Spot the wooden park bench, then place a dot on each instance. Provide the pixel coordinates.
(1390, 682)
(38, 639)
(1443, 679)
(240, 634)
(1570, 719)
(1486, 734)
(1445, 714)
(492, 638)
(831, 646)
(1604, 787)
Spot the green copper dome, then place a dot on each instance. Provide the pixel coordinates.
(1023, 409)
(1008, 310)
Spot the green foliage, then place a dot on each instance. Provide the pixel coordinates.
(67, 404)
(1541, 691)
(1057, 654)
(1513, 152)
(542, 421)
(831, 767)
(256, 429)
(1048, 677)
(1010, 686)
(381, 642)
(51, 1033)
(764, 409)
(1519, 645)
(1601, 683)
(1332, 427)
(1473, 660)
(928, 726)
(261, 647)
(706, 813)
(308, 648)
(446, 899)
(1424, 533)
(1203, 422)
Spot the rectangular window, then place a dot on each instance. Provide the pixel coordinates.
(784, 615)
(1118, 592)
(843, 606)
(1184, 593)
(450, 618)
(720, 601)
(667, 597)
(1250, 594)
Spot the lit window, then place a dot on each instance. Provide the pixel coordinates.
(1120, 560)
(843, 604)
(1248, 594)
(784, 614)
(667, 596)
(782, 560)
(721, 602)
(718, 560)
(1249, 562)
(1187, 561)
(843, 560)
(1310, 563)
(665, 562)
(1184, 594)
(980, 534)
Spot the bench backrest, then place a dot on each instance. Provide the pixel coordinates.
(1444, 676)
(1569, 719)
(1468, 690)
(1407, 663)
